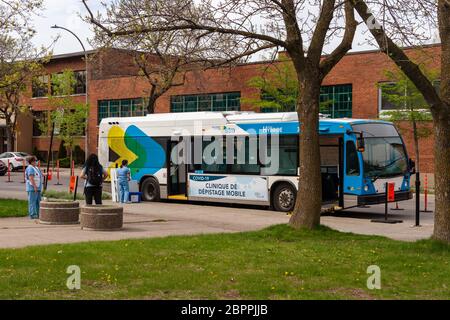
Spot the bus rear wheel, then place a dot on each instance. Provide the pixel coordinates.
(284, 198)
(150, 190)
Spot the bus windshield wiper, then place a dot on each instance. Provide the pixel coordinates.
(374, 177)
(389, 164)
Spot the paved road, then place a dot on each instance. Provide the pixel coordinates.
(18, 185)
(147, 220)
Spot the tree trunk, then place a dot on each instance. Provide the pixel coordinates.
(442, 133)
(151, 104)
(152, 97)
(10, 139)
(309, 197)
(70, 157)
(442, 178)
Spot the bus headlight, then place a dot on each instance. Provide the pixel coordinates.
(366, 188)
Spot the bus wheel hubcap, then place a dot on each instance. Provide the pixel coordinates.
(151, 191)
(286, 198)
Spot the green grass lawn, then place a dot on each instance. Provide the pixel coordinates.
(13, 208)
(276, 263)
(63, 195)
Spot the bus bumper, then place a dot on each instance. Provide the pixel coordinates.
(381, 198)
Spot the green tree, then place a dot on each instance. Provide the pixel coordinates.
(400, 28)
(410, 105)
(19, 60)
(68, 115)
(14, 78)
(278, 85)
(228, 28)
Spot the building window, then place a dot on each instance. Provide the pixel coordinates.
(56, 78)
(206, 102)
(3, 143)
(385, 104)
(336, 101)
(121, 108)
(287, 101)
(388, 88)
(40, 86)
(38, 117)
(80, 84)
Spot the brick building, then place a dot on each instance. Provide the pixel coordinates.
(116, 89)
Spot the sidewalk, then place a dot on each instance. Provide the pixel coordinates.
(148, 220)
(142, 221)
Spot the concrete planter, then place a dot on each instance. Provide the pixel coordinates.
(59, 212)
(101, 218)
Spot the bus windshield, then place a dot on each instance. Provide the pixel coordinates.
(384, 154)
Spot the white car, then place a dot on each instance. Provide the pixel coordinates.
(16, 159)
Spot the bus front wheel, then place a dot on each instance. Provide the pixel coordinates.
(150, 190)
(284, 198)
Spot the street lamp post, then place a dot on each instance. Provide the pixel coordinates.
(86, 135)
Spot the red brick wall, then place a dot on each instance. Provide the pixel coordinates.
(111, 77)
(365, 70)
(426, 145)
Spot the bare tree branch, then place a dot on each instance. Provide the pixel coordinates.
(351, 24)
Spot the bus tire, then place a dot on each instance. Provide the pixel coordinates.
(284, 197)
(150, 190)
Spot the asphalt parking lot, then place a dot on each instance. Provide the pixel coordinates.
(146, 220)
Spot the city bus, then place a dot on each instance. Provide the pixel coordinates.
(358, 157)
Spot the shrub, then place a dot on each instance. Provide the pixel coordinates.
(78, 155)
(62, 152)
(64, 163)
(37, 153)
(51, 194)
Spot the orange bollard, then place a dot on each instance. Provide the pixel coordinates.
(9, 172)
(57, 174)
(397, 208)
(426, 194)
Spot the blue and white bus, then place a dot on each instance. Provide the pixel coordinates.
(358, 157)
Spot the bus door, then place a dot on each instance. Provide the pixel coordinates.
(176, 171)
(331, 150)
(352, 172)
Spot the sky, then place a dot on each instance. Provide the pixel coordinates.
(66, 13)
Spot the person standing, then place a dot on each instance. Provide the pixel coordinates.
(123, 177)
(94, 174)
(34, 179)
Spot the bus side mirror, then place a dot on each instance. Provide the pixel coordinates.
(361, 144)
(412, 166)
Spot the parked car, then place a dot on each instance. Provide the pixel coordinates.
(3, 168)
(16, 159)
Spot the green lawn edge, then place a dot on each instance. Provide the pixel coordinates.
(274, 263)
(13, 208)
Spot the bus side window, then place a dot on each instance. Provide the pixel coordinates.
(214, 159)
(352, 160)
(245, 156)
